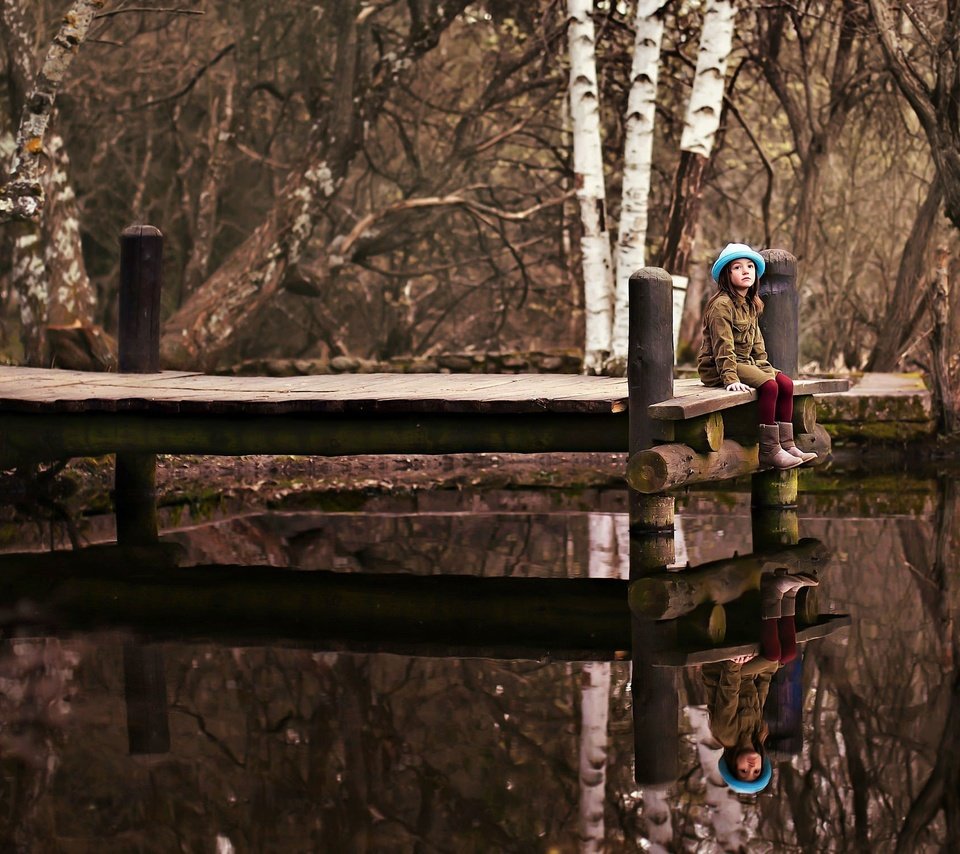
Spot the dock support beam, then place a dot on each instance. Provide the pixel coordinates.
(135, 499)
(650, 379)
(780, 325)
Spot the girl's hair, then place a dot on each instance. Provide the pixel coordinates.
(724, 286)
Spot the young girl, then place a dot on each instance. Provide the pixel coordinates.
(737, 689)
(733, 354)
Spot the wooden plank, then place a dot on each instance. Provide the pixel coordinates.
(827, 625)
(355, 394)
(693, 400)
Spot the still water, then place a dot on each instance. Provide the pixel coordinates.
(278, 746)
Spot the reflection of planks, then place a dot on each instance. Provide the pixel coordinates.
(141, 588)
(826, 625)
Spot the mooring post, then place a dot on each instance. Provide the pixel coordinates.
(654, 690)
(656, 709)
(649, 380)
(145, 692)
(141, 280)
(135, 499)
(780, 325)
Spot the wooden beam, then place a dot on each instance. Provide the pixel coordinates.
(45, 437)
(666, 467)
(269, 602)
(704, 433)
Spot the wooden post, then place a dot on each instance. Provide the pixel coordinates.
(141, 278)
(780, 325)
(656, 705)
(656, 710)
(135, 503)
(135, 499)
(649, 380)
(780, 321)
(145, 691)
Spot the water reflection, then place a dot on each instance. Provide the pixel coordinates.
(278, 742)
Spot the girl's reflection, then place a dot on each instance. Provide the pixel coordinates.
(737, 688)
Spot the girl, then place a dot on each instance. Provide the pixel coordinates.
(737, 689)
(733, 354)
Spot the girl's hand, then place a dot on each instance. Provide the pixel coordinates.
(738, 387)
(742, 659)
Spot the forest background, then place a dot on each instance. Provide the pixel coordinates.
(380, 179)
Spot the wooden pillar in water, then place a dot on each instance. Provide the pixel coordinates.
(135, 499)
(780, 325)
(650, 379)
(141, 280)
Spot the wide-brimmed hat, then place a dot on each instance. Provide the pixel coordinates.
(742, 786)
(731, 252)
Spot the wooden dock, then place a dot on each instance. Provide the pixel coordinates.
(69, 413)
(72, 413)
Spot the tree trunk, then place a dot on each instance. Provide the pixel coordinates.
(209, 327)
(205, 220)
(935, 105)
(49, 274)
(591, 192)
(896, 329)
(696, 144)
(637, 162)
(940, 346)
(605, 562)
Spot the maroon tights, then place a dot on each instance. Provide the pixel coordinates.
(778, 639)
(776, 400)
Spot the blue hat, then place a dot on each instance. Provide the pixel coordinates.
(742, 786)
(731, 252)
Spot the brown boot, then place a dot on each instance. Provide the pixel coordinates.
(787, 443)
(771, 454)
(788, 606)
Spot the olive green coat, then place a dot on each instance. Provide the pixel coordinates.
(733, 348)
(735, 697)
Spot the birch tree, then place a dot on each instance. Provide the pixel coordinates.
(696, 143)
(591, 192)
(609, 558)
(637, 162)
(49, 275)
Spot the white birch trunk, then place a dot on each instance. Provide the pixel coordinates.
(656, 811)
(21, 198)
(706, 98)
(725, 809)
(605, 562)
(591, 193)
(637, 160)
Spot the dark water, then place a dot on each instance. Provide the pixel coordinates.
(287, 748)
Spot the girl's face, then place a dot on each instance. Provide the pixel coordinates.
(749, 766)
(743, 273)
